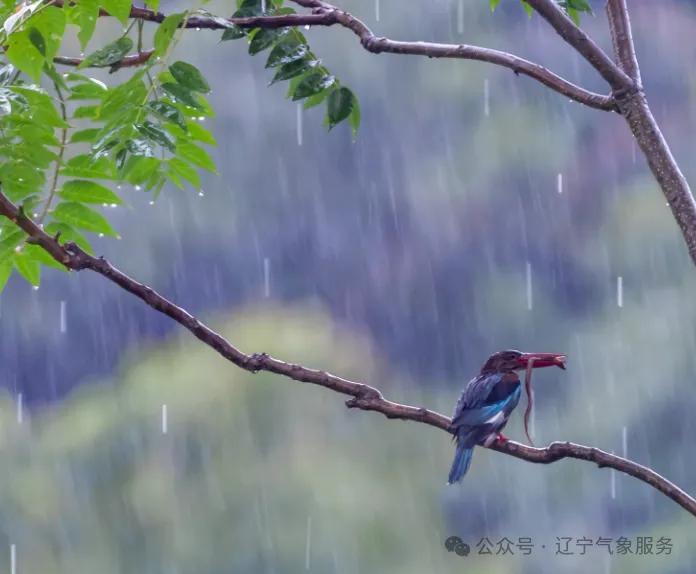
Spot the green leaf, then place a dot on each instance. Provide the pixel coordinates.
(118, 9)
(43, 111)
(89, 90)
(293, 69)
(165, 33)
(67, 234)
(86, 135)
(248, 8)
(312, 84)
(493, 4)
(87, 166)
(233, 33)
(315, 100)
(22, 53)
(86, 112)
(264, 38)
(139, 169)
(82, 217)
(88, 192)
(156, 134)
(339, 106)
(182, 169)
(189, 77)
(182, 94)
(9, 241)
(28, 268)
(6, 266)
(196, 155)
(152, 4)
(109, 54)
(128, 97)
(354, 118)
(199, 133)
(288, 49)
(50, 22)
(20, 13)
(41, 256)
(20, 178)
(37, 40)
(84, 14)
(168, 113)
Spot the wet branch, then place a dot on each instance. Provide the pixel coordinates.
(327, 15)
(126, 62)
(363, 396)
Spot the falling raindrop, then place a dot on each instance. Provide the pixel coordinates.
(35, 287)
(299, 124)
(13, 559)
(263, 6)
(152, 202)
(559, 183)
(63, 317)
(460, 17)
(138, 188)
(20, 408)
(201, 193)
(486, 98)
(266, 277)
(164, 419)
(624, 442)
(308, 545)
(619, 291)
(529, 286)
(377, 10)
(306, 27)
(613, 482)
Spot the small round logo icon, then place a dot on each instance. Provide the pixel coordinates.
(457, 545)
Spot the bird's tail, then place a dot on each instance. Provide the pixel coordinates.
(461, 462)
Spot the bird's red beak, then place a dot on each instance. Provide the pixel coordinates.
(542, 360)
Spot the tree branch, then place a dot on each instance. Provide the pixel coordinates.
(363, 396)
(583, 44)
(622, 39)
(126, 62)
(327, 15)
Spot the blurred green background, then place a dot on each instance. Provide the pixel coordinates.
(476, 211)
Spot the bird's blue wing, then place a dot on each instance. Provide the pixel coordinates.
(475, 393)
(482, 414)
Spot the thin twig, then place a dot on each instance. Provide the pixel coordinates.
(61, 152)
(362, 396)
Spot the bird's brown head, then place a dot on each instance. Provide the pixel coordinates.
(511, 360)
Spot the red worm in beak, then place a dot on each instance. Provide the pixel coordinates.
(530, 399)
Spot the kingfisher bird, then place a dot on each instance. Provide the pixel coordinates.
(487, 401)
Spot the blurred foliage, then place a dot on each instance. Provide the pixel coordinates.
(256, 473)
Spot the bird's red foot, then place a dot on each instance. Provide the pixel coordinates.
(501, 438)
